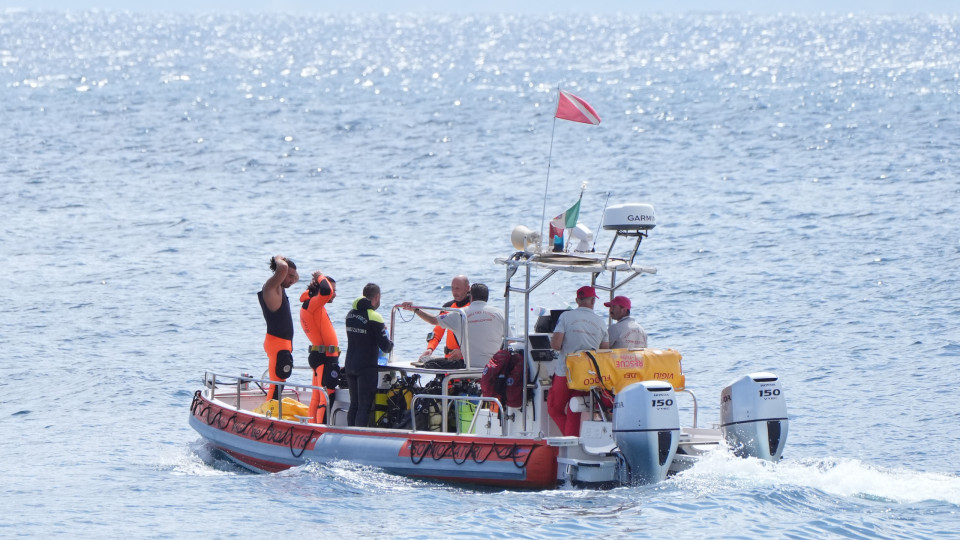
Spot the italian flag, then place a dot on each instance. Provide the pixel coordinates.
(566, 220)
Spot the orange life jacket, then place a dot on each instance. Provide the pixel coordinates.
(451, 343)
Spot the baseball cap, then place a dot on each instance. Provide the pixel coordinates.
(587, 292)
(621, 301)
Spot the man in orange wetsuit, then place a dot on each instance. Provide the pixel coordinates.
(276, 311)
(460, 290)
(324, 347)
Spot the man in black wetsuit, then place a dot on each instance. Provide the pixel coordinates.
(276, 311)
(366, 336)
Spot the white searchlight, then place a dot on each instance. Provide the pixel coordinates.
(584, 238)
(523, 238)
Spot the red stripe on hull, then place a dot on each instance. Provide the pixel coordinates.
(258, 464)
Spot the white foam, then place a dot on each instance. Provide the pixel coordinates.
(193, 459)
(836, 476)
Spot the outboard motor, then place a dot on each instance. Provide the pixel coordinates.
(753, 416)
(646, 427)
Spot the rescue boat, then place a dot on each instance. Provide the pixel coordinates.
(441, 424)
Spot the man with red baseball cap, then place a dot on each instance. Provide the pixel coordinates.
(577, 330)
(626, 333)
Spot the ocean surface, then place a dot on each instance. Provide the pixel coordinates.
(805, 172)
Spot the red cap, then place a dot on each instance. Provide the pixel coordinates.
(621, 301)
(587, 292)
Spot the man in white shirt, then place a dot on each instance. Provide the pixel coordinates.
(577, 330)
(626, 333)
(484, 327)
(460, 289)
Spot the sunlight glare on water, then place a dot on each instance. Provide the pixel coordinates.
(802, 168)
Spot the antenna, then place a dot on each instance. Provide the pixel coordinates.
(546, 188)
(602, 214)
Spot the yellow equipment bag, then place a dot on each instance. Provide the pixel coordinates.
(614, 369)
(291, 409)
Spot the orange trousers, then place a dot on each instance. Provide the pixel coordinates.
(319, 400)
(274, 347)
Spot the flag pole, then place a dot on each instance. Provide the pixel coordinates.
(553, 130)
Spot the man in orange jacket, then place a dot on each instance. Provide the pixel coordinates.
(460, 290)
(324, 350)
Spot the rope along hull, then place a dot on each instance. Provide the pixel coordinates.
(270, 445)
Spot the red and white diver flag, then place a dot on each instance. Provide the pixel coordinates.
(570, 107)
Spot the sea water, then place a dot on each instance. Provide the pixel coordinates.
(803, 169)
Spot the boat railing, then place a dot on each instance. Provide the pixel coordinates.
(447, 375)
(213, 381)
(242, 382)
(446, 402)
(465, 338)
(694, 398)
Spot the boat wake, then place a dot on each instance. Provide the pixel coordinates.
(348, 477)
(199, 459)
(720, 471)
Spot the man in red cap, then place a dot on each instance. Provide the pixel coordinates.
(577, 330)
(626, 333)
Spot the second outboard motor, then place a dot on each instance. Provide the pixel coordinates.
(753, 416)
(646, 427)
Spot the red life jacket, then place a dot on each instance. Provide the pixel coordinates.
(503, 378)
